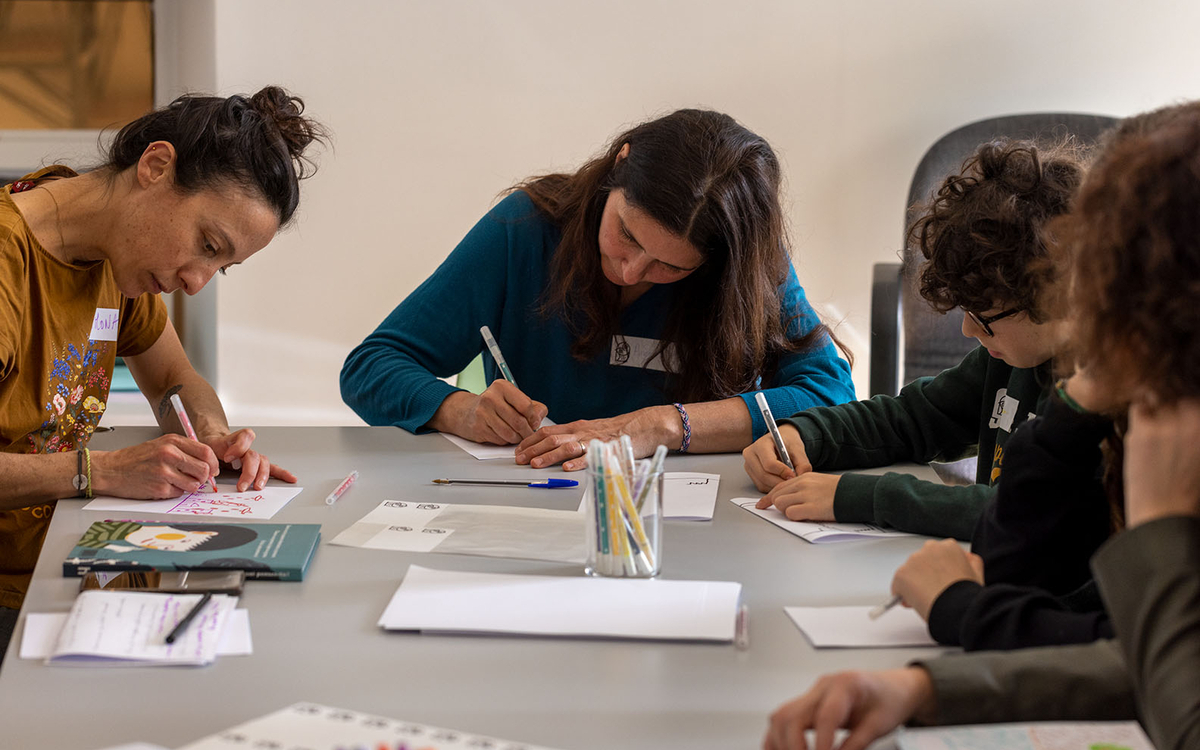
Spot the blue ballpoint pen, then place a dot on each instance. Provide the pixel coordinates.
(545, 484)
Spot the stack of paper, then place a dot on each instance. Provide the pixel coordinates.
(438, 600)
(110, 628)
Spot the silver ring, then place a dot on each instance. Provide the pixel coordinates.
(582, 448)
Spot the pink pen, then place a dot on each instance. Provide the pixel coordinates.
(345, 485)
(187, 428)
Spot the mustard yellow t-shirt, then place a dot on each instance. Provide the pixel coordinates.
(62, 327)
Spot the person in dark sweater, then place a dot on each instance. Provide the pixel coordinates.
(980, 236)
(1132, 250)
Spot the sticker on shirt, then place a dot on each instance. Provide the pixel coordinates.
(1004, 411)
(635, 351)
(105, 324)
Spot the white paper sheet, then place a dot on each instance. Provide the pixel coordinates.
(852, 627)
(438, 600)
(316, 726)
(42, 630)
(817, 533)
(1064, 735)
(130, 627)
(485, 451)
(690, 496)
(262, 503)
(489, 530)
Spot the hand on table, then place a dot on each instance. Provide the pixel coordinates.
(256, 469)
(567, 443)
(763, 464)
(808, 497)
(1162, 462)
(869, 704)
(930, 570)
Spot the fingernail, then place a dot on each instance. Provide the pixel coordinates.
(236, 463)
(536, 463)
(520, 458)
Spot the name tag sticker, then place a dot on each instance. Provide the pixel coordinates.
(105, 324)
(635, 351)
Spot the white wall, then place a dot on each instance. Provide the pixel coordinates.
(437, 106)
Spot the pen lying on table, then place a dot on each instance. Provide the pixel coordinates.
(545, 484)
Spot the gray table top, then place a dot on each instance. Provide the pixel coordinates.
(317, 640)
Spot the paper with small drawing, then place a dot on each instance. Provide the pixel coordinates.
(312, 725)
(1066, 735)
(690, 496)
(852, 627)
(490, 530)
(817, 533)
(263, 503)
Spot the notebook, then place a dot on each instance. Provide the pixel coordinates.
(274, 551)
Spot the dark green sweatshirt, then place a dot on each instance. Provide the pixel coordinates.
(967, 410)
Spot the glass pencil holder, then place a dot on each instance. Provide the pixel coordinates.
(624, 522)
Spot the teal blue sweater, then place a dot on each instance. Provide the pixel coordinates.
(496, 277)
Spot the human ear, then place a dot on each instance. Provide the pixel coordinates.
(624, 152)
(156, 163)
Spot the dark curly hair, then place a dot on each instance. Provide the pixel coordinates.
(981, 232)
(1130, 259)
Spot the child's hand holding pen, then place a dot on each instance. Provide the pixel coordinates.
(764, 465)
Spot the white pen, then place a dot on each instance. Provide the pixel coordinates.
(187, 428)
(494, 348)
(770, 420)
(345, 485)
(741, 638)
(881, 609)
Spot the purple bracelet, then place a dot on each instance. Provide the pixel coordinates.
(687, 428)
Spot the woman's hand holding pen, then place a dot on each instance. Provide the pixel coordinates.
(567, 443)
(763, 464)
(930, 570)
(501, 415)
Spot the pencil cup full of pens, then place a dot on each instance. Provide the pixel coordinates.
(623, 498)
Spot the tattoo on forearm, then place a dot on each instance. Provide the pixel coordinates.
(164, 407)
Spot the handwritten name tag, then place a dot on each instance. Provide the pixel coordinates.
(105, 324)
(635, 351)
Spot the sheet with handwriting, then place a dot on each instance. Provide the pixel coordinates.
(130, 627)
(263, 503)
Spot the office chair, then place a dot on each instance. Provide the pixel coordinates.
(909, 339)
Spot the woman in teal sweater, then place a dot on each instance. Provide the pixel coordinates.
(650, 293)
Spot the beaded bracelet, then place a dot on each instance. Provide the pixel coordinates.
(1061, 389)
(687, 428)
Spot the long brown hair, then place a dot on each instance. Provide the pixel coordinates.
(706, 179)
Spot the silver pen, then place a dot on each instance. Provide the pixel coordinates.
(770, 420)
